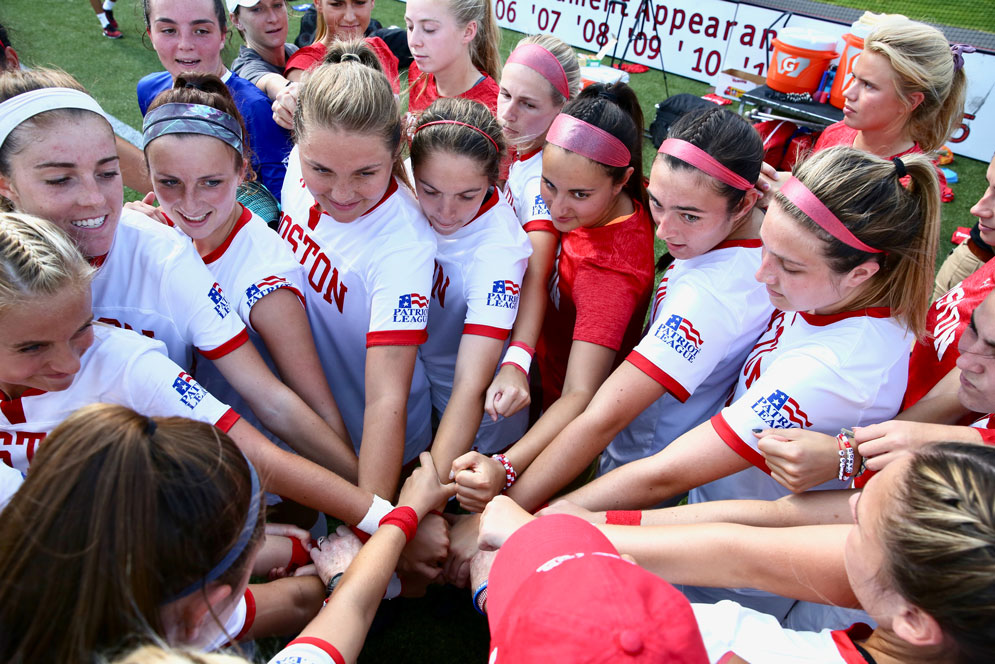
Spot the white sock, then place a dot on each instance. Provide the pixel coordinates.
(109, 5)
(102, 17)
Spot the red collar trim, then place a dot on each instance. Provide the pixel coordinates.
(843, 639)
(749, 244)
(490, 200)
(528, 155)
(314, 214)
(240, 223)
(13, 409)
(828, 319)
(97, 261)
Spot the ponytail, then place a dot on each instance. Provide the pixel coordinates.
(484, 48)
(867, 194)
(615, 109)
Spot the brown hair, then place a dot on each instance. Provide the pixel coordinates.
(119, 513)
(867, 196)
(351, 95)
(457, 138)
(939, 542)
(921, 59)
(208, 90)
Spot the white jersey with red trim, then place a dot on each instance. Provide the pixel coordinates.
(153, 282)
(251, 263)
(370, 283)
(121, 367)
(758, 637)
(818, 372)
(707, 314)
(10, 482)
(522, 193)
(475, 290)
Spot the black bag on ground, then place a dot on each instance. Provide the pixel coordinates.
(671, 108)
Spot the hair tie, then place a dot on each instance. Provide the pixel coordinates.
(351, 56)
(192, 119)
(583, 138)
(958, 51)
(704, 162)
(150, 427)
(462, 124)
(795, 191)
(609, 95)
(542, 61)
(900, 167)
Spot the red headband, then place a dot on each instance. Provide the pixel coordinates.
(796, 192)
(585, 139)
(543, 61)
(704, 162)
(462, 124)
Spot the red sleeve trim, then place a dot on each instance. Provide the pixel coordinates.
(512, 364)
(844, 642)
(486, 331)
(659, 375)
(987, 436)
(227, 421)
(732, 439)
(226, 347)
(250, 614)
(539, 225)
(396, 338)
(324, 645)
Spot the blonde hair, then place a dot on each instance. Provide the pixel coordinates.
(568, 60)
(350, 94)
(459, 139)
(939, 542)
(866, 194)
(166, 655)
(37, 258)
(920, 56)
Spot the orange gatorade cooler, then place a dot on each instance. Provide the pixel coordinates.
(853, 44)
(799, 59)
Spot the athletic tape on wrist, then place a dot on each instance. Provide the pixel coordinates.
(378, 510)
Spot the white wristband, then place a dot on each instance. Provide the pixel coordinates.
(394, 587)
(519, 357)
(377, 511)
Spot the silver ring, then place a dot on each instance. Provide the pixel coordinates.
(320, 540)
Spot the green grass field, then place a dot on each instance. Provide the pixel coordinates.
(65, 33)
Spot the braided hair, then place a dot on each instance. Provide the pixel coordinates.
(37, 258)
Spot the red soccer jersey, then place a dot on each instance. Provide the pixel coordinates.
(314, 55)
(599, 293)
(423, 91)
(933, 358)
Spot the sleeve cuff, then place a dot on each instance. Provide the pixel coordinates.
(396, 338)
(227, 346)
(486, 331)
(250, 614)
(987, 436)
(227, 421)
(659, 375)
(732, 439)
(323, 645)
(539, 225)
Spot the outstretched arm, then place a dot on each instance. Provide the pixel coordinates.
(388, 382)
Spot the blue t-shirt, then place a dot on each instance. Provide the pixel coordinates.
(270, 143)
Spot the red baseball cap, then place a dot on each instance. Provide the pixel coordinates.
(559, 592)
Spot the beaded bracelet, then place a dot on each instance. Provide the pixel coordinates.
(480, 598)
(509, 471)
(845, 473)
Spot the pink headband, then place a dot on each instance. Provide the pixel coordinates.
(796, 192)
(462, 124)
(704, 162)
(585, 139)
(543, 61)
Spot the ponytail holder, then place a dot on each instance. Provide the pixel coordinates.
(958, 51)
(900, 167)
(350, 56)
(150, 427)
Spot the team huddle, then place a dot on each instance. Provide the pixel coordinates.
(448, 329)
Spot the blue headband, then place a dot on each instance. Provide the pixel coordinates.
(192, 119)
(251, 520)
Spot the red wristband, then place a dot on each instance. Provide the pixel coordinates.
(623, 517)
(298, 555)
(404, 518)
